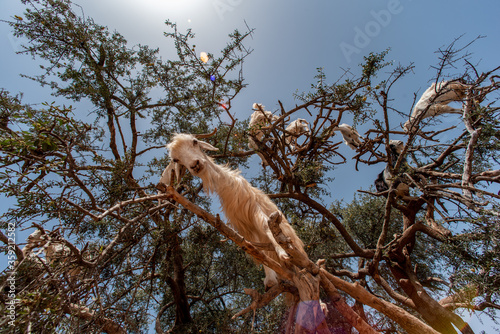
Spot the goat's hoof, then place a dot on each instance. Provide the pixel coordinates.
(324, 308)
(269, 285)
(284, 257)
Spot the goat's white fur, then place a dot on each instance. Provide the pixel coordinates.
(294, 130)
(434, 101)
(35, 240)
(350, 135)
(246, 207)
(55, 251)
(258, 121)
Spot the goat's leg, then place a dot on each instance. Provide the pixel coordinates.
(434, 110)
(446, 109)
(439, 109)
(280, 252)
(264, 161)
(271, 278)
(252, 145)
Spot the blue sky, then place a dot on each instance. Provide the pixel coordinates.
(292, 38)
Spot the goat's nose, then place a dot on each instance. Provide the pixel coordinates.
(196, 166)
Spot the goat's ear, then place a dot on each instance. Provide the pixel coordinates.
(173, 171)
(206, 146)
(166, 176)
(180, 170)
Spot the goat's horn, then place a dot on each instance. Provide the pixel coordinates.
(206, 135)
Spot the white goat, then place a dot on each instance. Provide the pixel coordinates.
(434, 101)
(258, 121)
(35, 240)
(246, 207)
(55, 252)
(350, 135)
(294, 130)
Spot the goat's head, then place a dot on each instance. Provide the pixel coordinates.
(188, 151)
(302, 126)
(396, 146)
(261, 117)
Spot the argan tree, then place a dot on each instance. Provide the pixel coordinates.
(109, 252)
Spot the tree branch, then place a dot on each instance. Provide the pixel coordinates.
(469, 153)
(410, 323)
(107, 325)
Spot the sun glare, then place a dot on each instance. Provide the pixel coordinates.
(176, 10)
(175, 6)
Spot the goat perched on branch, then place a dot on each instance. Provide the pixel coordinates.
(56, 252)
(259, 120)
(294, 130)
(350, 135)
(434, 101)
(246, 207)
(386, 178)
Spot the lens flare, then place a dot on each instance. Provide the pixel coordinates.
(204, 57)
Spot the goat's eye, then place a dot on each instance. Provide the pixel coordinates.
(175, 160)
(195, 142)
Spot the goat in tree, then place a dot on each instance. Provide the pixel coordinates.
(434, 101)
(386, 177)
(246, 207)
(56, 252)
(34, 240)
(258, 121)
(350, 135)
(294, 130)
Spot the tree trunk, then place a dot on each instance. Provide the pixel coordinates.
(356, 320)
(178, 286)
(431, 311)
(310, 318)
(409, 216)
